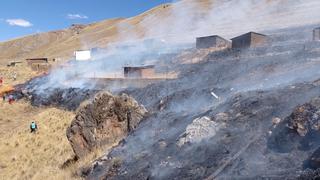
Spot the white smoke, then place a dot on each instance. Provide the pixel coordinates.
(188, 19)
(175, 27)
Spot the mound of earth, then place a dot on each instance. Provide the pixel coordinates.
(105, 120)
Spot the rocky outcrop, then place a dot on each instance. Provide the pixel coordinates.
(105, 120)
(200, 129)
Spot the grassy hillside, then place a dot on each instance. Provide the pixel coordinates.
(23, 73)
(33, 156)
(62, 43)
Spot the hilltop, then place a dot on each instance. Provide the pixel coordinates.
(183, 20)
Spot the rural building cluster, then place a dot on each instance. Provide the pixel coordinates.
(248, 40)
(39, 64)
(142, 75)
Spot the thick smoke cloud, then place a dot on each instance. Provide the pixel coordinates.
(189, 19)
(172, 28)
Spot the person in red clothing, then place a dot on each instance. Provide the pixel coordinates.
(11, 99)
(1, 81)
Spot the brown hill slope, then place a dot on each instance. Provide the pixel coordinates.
(183, 20)
(54, 44)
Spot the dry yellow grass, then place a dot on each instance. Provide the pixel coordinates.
(88, 160)
(33, 156)
(24, 155)
(22, 71)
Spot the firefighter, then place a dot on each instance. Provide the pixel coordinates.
(33, 127)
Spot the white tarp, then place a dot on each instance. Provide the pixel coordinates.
(83, 55)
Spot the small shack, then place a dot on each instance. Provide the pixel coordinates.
(316, 34)
(39, 64)
(37, 61)
(13, 63)
(211, 42)
(139, 72)
(249, 40)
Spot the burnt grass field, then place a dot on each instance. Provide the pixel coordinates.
(254, 86)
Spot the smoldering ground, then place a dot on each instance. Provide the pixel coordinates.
(253, 85)
(177, 28)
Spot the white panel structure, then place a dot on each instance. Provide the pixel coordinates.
(83, 55)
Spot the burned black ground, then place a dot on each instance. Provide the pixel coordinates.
(253, 85)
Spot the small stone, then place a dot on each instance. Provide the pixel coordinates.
(275, 121)
(221, 117)
(162, 144)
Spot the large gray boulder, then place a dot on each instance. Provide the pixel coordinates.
(200, 129)
(103, 121)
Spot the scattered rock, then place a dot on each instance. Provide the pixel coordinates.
(200, 129)
(305, 118)
(162, 144)
(77, 28)
(162, 105)
(221, 117)
(103, 121)
(275, 121)
(309, 174)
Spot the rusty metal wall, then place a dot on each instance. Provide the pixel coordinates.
(316, 34)
(145, 73)
(40, 67)
(241, 41)
(258, 40)
(33, 61)
(249, 40)
(211, 41)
